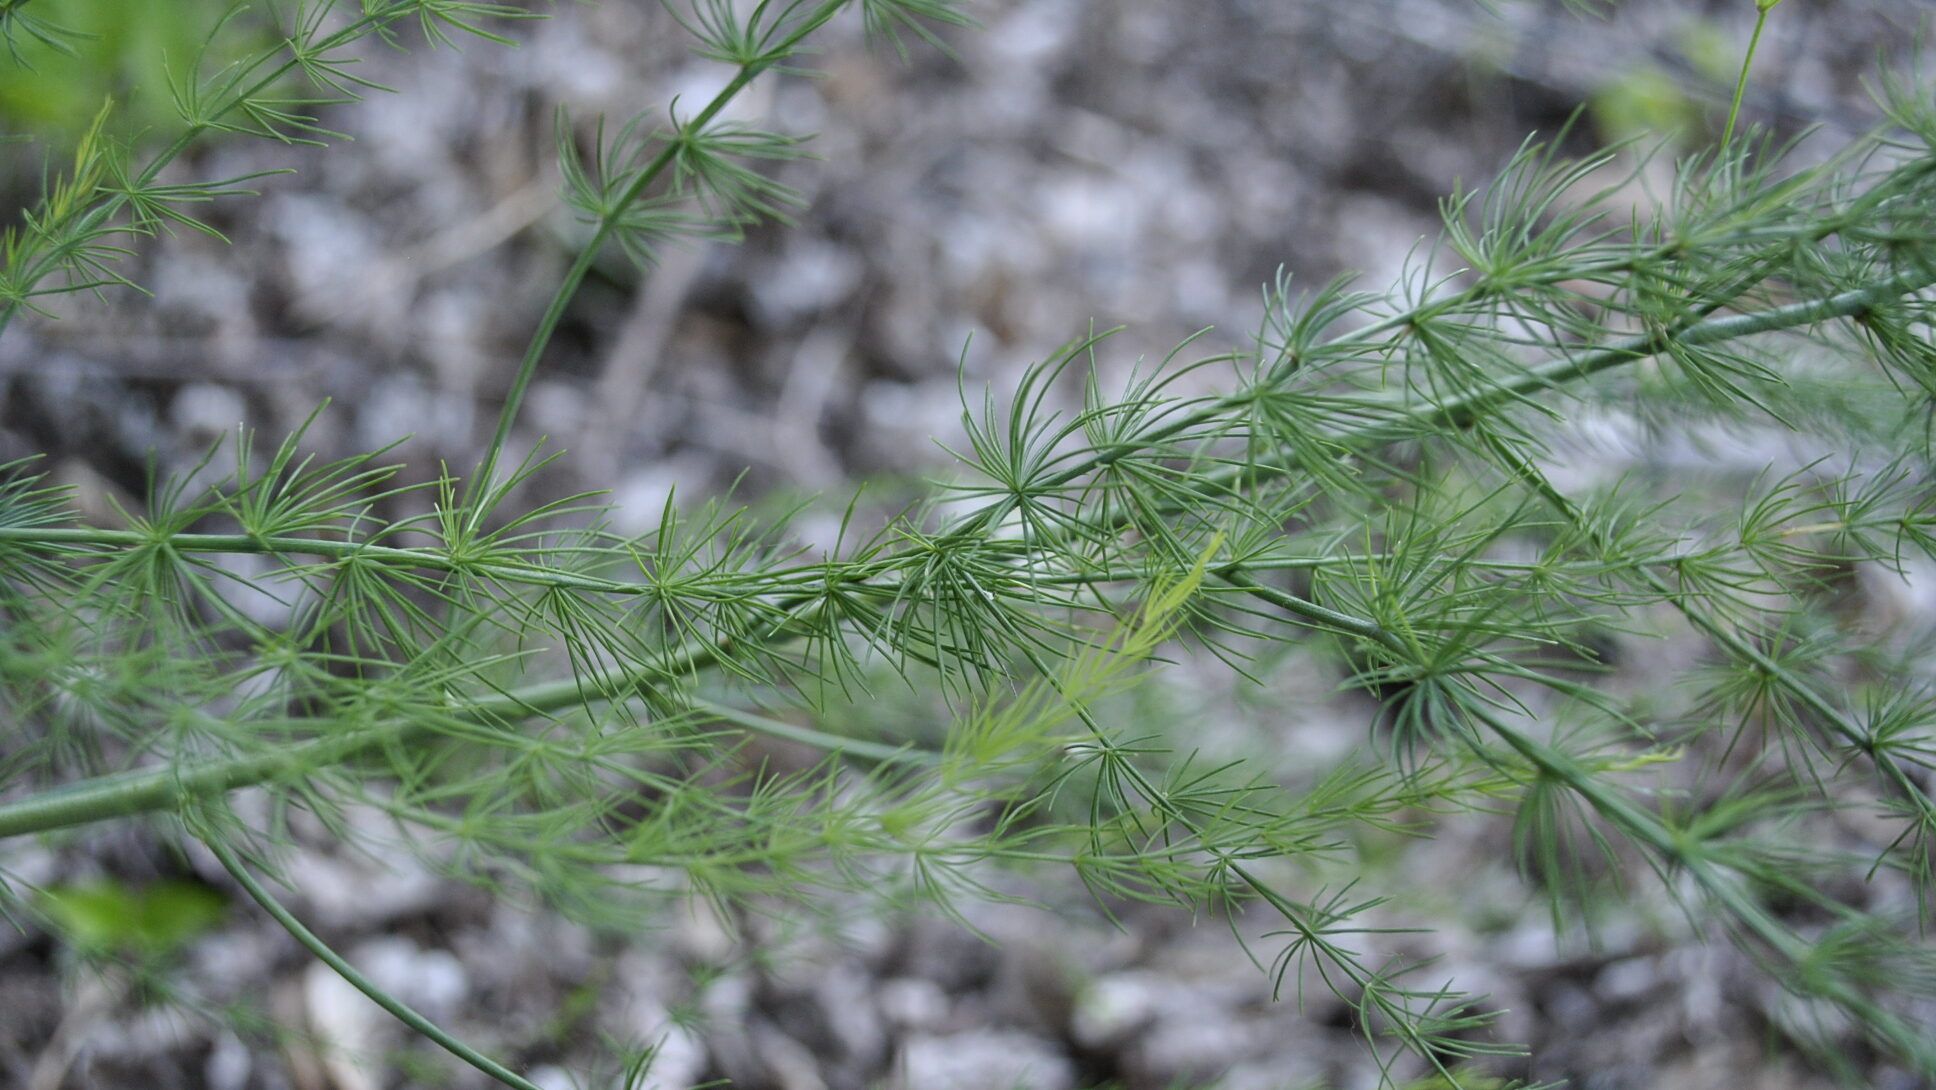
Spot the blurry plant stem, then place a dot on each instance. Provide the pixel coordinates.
(108, 797)
(608, 225)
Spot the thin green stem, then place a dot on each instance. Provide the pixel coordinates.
(858, 576)
(402, 1011)
(1741, 83)
(807, 736)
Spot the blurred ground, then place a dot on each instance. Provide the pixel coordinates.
(1140, 162)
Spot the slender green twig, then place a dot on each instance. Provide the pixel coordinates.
(1762, 8)
(321, 950)
(858, 748)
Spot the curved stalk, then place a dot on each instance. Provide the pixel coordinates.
(321, 950)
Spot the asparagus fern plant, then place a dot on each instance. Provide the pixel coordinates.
(539, 702)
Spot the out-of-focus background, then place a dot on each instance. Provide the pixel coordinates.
(1149, 163)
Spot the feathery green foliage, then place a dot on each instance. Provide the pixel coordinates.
(542, 704)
